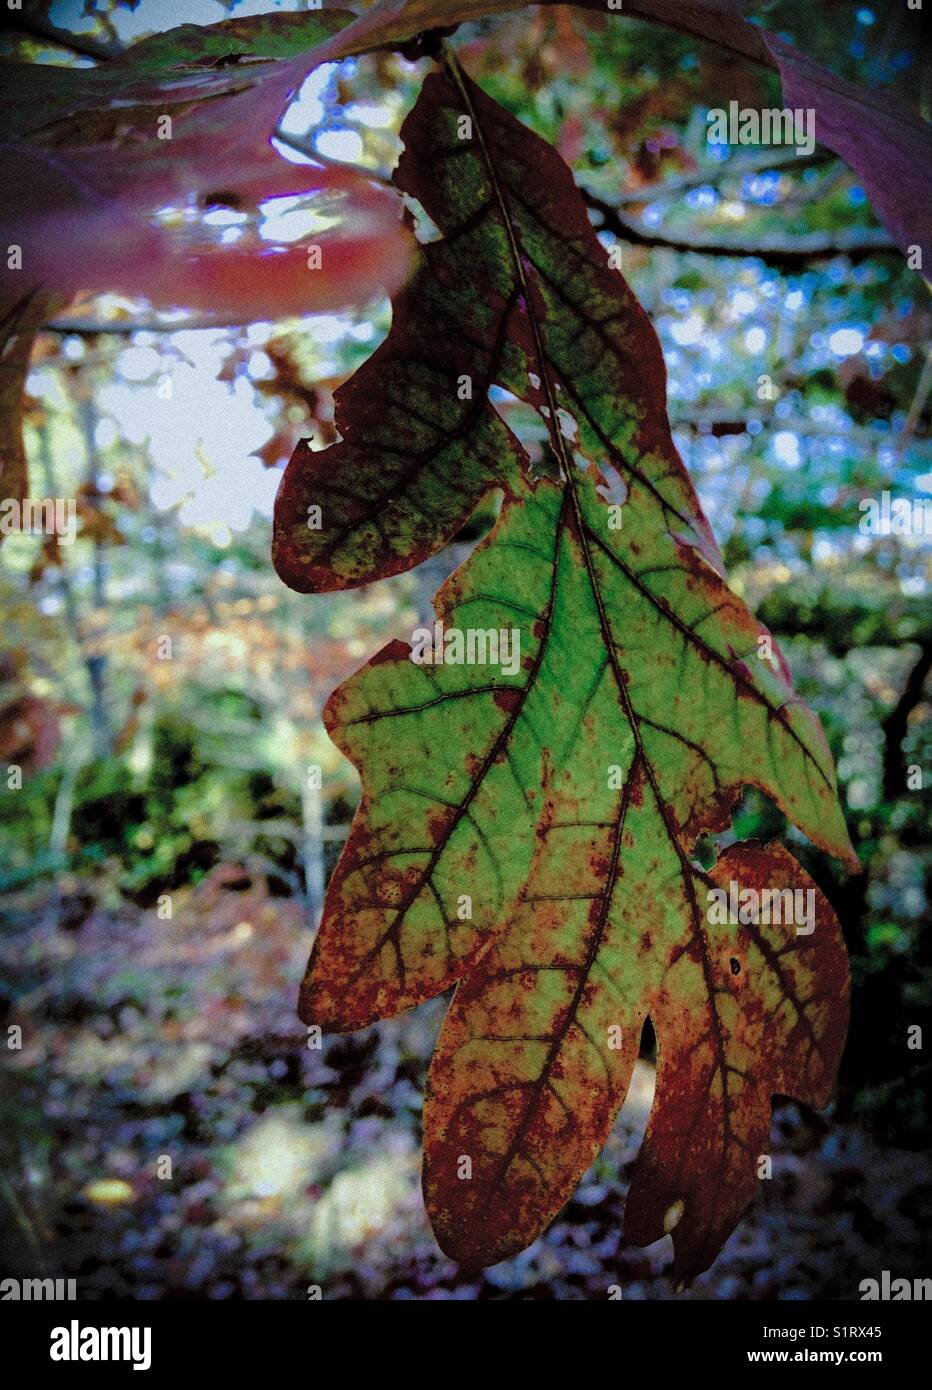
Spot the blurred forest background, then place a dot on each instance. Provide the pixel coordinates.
(172, 775)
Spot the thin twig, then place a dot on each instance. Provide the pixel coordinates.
(917, 407)
(896, 724)
(303, 146)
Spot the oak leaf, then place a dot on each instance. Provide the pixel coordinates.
(527, 827)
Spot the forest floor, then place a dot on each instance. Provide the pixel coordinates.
(165, 1130)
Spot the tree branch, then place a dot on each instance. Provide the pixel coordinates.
(782, 253)
(91, 328)
(34, 26)
(738, 166)
(703, 423)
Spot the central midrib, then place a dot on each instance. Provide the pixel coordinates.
(567, 466)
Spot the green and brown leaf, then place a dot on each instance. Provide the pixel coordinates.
(530, 830)
(540, 1042)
